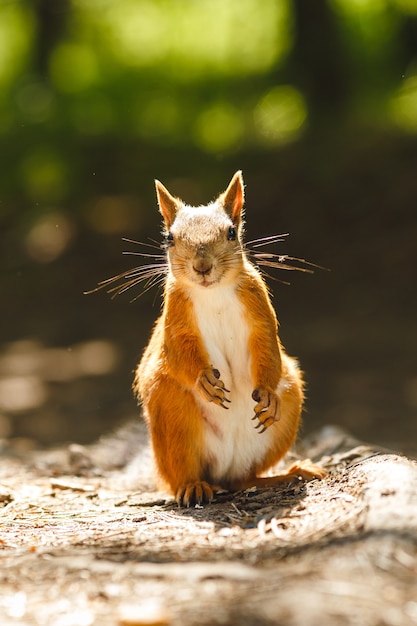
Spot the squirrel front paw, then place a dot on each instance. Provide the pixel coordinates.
(212, 388)
(266, 409)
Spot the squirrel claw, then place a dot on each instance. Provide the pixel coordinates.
(263, 425)
(220, 402)
(266, 409)
(212, 388)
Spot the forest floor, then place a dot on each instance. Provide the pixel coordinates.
(86, 539)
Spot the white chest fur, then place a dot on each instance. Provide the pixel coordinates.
(231, 441)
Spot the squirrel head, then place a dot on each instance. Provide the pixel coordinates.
(204, 244)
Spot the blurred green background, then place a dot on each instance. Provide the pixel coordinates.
(315, 101)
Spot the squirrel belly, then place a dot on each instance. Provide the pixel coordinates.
(231, 444)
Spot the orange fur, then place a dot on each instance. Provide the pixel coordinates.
(182, 395)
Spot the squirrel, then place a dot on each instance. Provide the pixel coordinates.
(221, 397)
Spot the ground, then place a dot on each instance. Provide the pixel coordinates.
(87, 539)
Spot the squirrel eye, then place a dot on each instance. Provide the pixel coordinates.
(169, 239)
(231, 234)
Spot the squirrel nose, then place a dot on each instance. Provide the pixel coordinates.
(202, 267)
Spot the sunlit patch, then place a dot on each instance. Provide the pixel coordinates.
(49, 237)
(210, 36)
(361, 6)
(27, 368)
(144, 611)
(96, 358)
(21, 393)
(16, 28)
(403, 106)
(15, 604)
(280, 115)
(21, 358)
(59, 365)
(31, 358)
(373, 26)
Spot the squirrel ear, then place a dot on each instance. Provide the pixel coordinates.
(168, 205)
(234, 197)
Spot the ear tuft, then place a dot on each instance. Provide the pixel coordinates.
(234, 197)
(168, 205)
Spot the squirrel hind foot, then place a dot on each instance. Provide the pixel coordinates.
(307, 470)
(198, 492)
(304, 470)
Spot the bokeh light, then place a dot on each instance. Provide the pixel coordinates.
(16, 30)
(210, 36)
(403, 105)
(280, 115)
(49, 237)
(219, 127)
(28, 369)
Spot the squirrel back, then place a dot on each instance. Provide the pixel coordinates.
(220, 395)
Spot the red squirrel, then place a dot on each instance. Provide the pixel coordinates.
(221, 397)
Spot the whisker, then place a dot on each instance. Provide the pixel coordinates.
(264, 241)
(277, 261)
(154, 274)
(309, 263)
(143, 254)
(284, 266)
(152, 279)
(138, 273)
(154, 244)
(157, 244)
(274, 278)
(141, 269)
(108, 281)
(150, 275)
(118, 289)
(155, 282)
